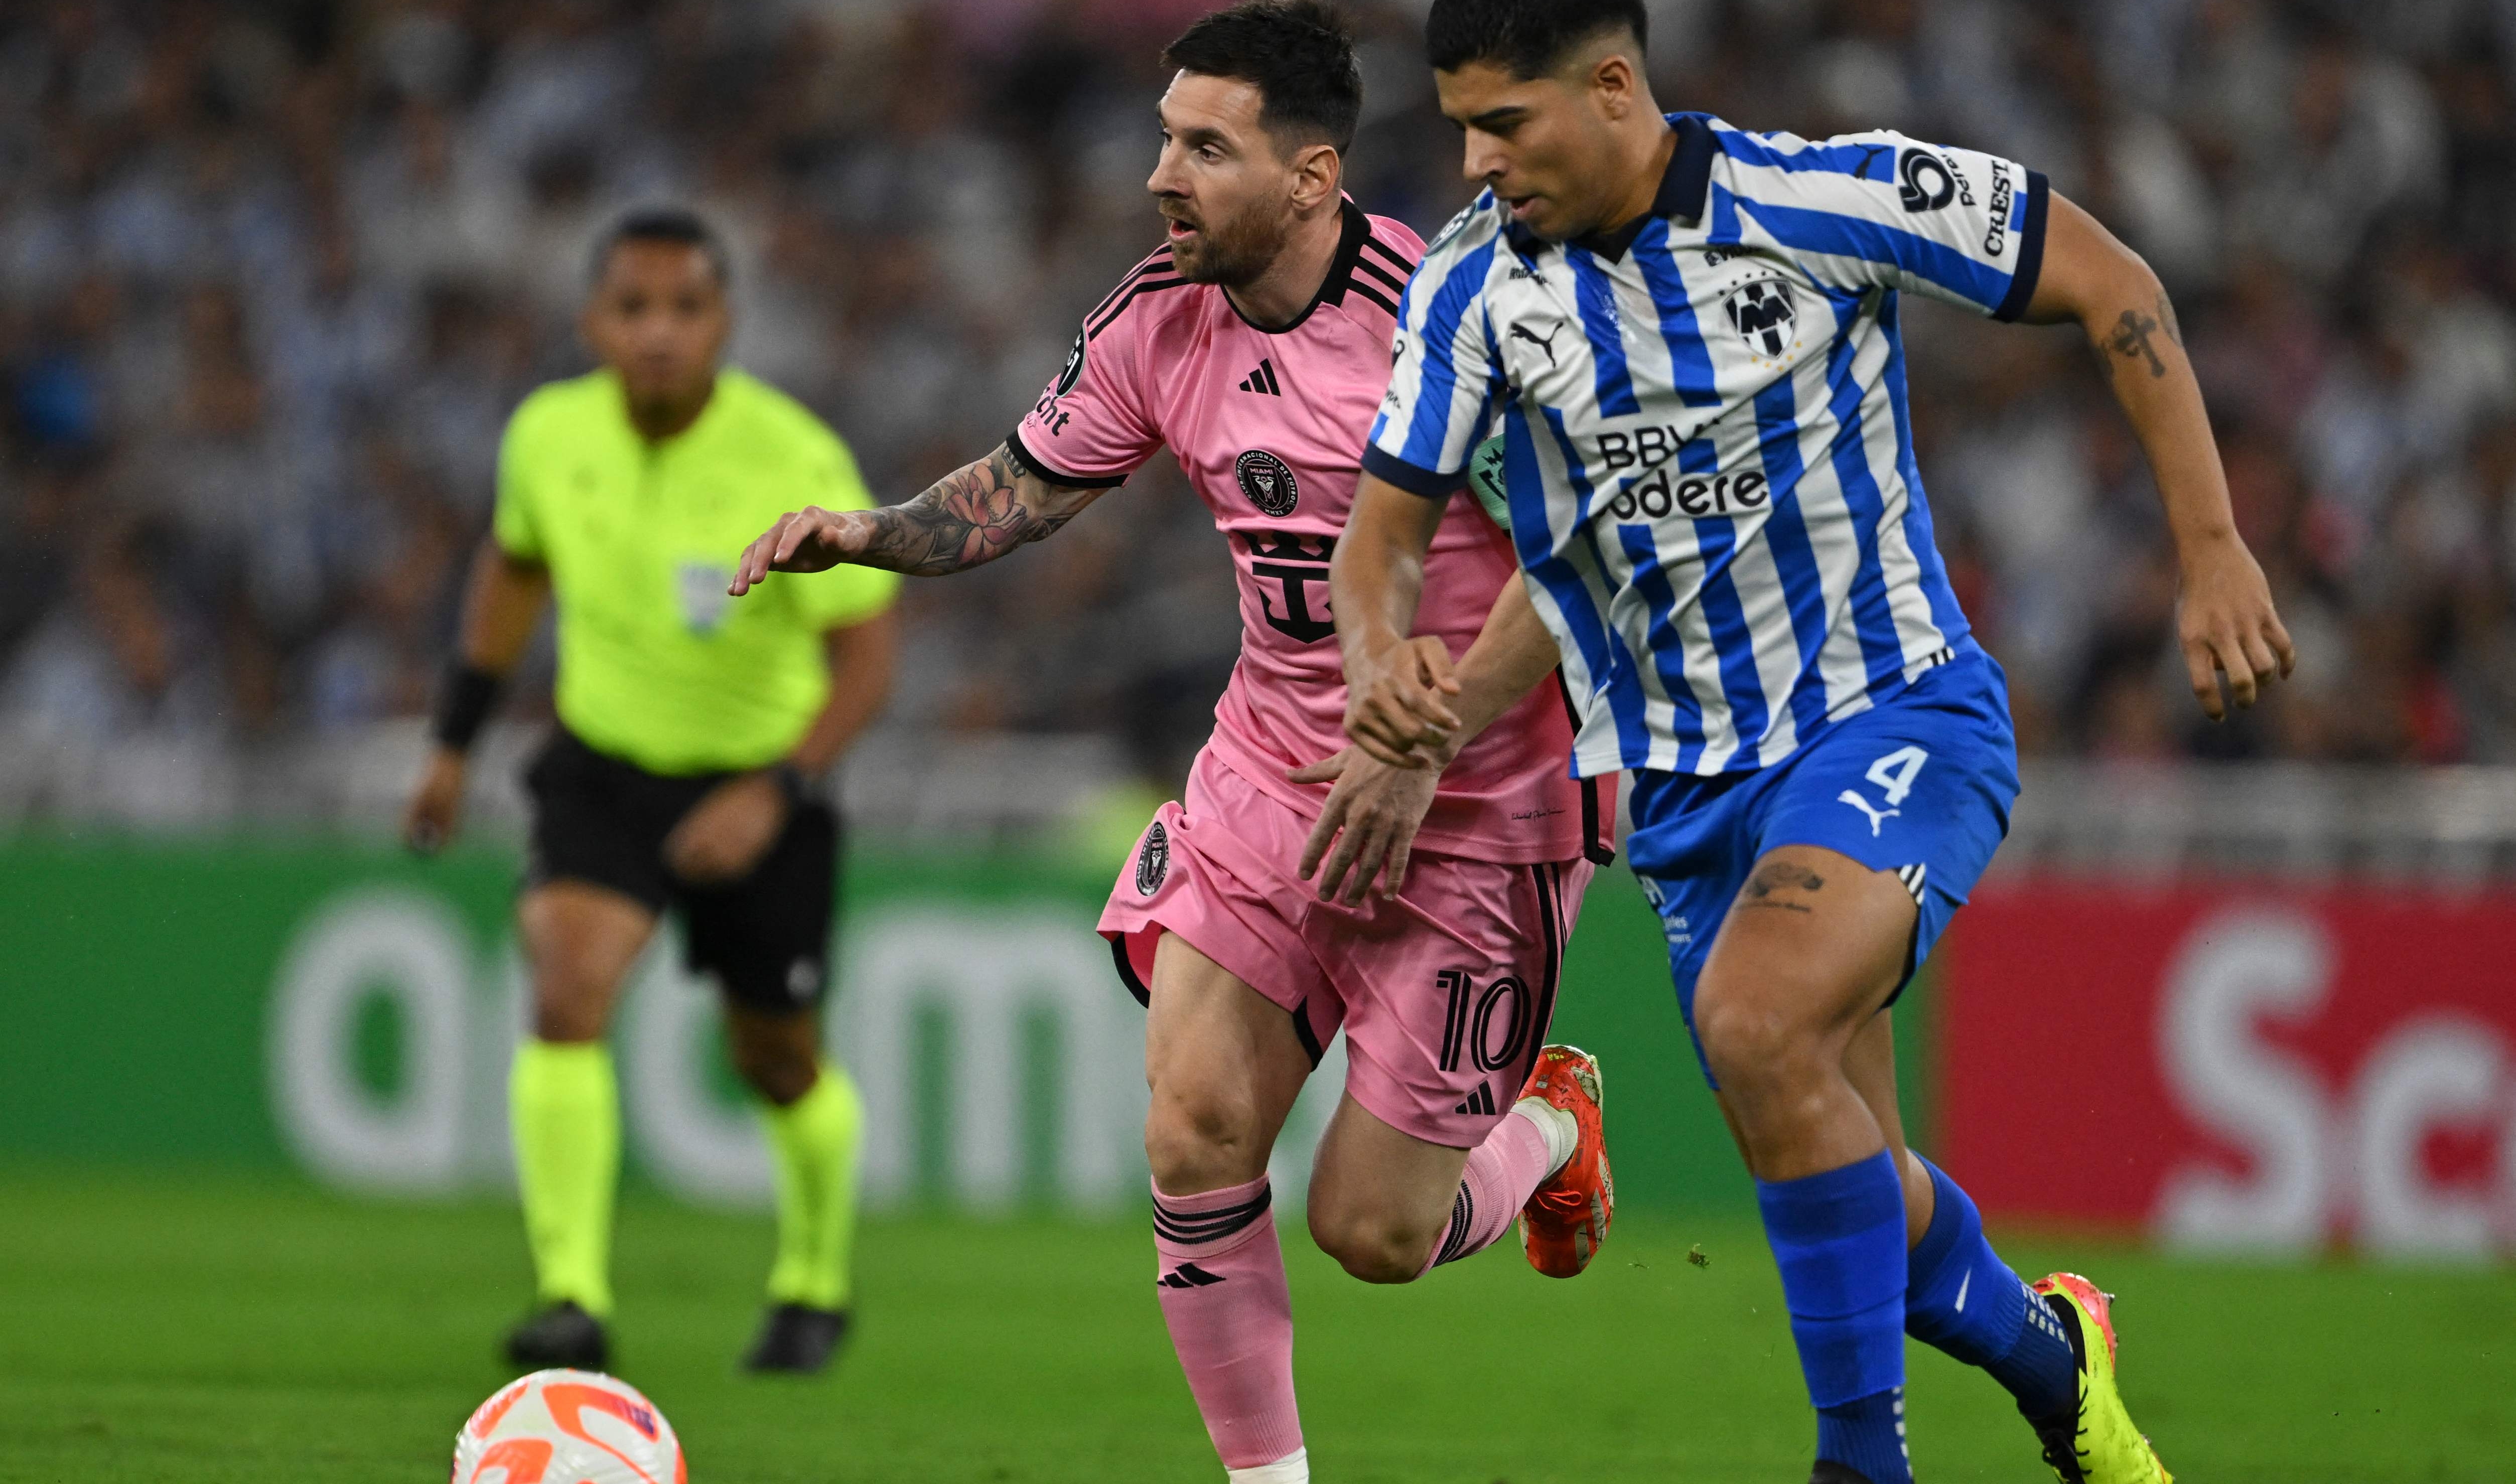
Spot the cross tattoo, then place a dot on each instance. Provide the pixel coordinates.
(2131, 339)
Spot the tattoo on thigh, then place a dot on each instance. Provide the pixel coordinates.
(1775, 877)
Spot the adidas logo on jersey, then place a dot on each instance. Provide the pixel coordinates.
(1479, 1101)
(1187, 1275)
(1263, 380)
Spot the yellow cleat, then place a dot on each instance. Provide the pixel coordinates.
(2100, 1445)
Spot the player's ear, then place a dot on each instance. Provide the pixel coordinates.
(1317, 170)
(1614, 84)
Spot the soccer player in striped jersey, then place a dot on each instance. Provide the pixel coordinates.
(1688, 336)
(1255, 344)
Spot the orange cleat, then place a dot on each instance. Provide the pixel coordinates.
(1566, 1221)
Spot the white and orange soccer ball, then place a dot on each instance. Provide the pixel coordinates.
(567, 1427)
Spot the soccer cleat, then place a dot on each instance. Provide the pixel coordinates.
(561, 1335)
(796, 1339)
(2098, 1444)
(1567, 1216)
(1829, 1471)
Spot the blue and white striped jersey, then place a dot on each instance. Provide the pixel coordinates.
(1705, 427)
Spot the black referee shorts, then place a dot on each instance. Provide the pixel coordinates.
(765, 937)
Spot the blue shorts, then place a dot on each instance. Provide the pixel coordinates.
(1920, 785)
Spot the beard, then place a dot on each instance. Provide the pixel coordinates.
(1233, 251)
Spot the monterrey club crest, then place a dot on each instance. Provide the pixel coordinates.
(1267, 482)
(1074, 371)
(1152, 860)
(1763, 315)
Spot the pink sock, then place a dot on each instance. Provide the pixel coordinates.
(1501, 1175)
(1221, 1281)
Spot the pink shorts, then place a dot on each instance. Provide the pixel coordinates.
(1445, 994)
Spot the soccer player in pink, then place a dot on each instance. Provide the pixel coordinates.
(1255, 344)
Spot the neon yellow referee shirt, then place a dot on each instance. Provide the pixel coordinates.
(656, 665)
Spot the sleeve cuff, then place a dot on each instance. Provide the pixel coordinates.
(2030, 250)
(1055, 475)
(1412, 478)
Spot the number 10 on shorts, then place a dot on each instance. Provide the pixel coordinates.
(1478, 1017)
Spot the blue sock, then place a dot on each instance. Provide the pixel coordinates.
(1963, 1299)
(1839, 1238)
(1868, 1436)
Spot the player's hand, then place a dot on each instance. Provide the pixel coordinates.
(2225, 621)
(428, 822)
(728, 830)
(1371, 815)
(1395, 709)
(809, 540)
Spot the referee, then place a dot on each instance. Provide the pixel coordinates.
(685, 770)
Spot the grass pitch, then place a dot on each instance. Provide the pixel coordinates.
(189, 1328)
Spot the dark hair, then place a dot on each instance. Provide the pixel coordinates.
(1297, 53)
(662, 223)
(1528, 37)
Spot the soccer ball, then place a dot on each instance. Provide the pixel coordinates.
(567, 1427)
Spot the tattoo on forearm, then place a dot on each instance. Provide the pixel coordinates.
(1773, 878)
(2167, 318)
(972, 516)
(2130, 339)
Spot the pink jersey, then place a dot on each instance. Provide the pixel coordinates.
(1270, 428)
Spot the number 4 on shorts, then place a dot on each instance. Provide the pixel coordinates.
(1895, 771)
(1894, 774)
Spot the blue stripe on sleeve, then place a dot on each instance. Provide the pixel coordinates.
(1603, 324)
(1786, 537)
(2027, 213)
(1842, 236)
(1689, 359)
(1867, 162)
(1413, 479)
(1428, 431)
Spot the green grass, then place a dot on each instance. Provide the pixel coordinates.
(189, 1328)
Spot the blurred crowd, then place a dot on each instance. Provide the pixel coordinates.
(273, 274)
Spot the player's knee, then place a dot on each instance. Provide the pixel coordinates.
(1194, 1136)
(1753, 1040)
(565, 1010)
(778, 1073)
(1372, 1246)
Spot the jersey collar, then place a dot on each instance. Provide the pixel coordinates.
(1683, 186)
(1354, 227)
(709, 415)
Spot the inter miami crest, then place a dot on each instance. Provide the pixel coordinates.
(1267, 482)
(1763, 315)
(1152, 860)
(1074, 371)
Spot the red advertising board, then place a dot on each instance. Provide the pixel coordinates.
(2232, 1065)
